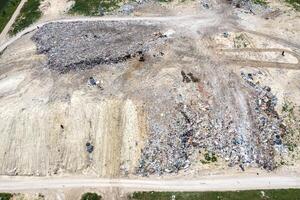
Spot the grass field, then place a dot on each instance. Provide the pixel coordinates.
(284, 194)
(28, 15)
(7, 9)
(94, 7)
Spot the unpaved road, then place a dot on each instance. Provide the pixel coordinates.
(268, 64)
(210, 183)
(12, 20)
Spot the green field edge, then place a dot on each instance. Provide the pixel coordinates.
(277, 194)
(7, 11)
(29, 14)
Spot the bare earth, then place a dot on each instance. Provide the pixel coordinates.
(135, 116)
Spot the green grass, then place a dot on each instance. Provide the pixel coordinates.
(91, 196)
(7, 11)
(260, 2)
(28, 15)
(294, 3)
(5, 196)
(284, 194)
(86, 7)
(94, 7)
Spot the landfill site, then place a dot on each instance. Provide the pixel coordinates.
(160, 91)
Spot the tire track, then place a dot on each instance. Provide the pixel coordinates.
(259, 63)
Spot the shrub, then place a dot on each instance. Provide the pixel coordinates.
(90, 196)
(5, 196)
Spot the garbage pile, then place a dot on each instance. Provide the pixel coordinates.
(251, 6)
(270, 128)
(81, 45)
(243, 133)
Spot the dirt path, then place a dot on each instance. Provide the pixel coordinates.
(277, 39)
(211, 183)
(295, 66)
(11, 21)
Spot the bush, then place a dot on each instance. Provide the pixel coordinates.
(90, 196)
(5, 196)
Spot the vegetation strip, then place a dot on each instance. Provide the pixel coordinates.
(281, 194)
(7, 11)
(29, 14)
(94, 7)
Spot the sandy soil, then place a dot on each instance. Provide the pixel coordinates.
(54, 9)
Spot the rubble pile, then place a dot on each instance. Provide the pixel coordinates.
(270, 128)
(251, 6)
(81, 45)
(243, 139)
(169, 151)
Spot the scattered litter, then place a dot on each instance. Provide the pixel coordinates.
(169, 33)
(141, 58)
(277, 140)
(205, 4)
(89, 147)
(225, 34)
(242, 167)
(186, 78)
(92, 81)
(193, 78)
(126, 9)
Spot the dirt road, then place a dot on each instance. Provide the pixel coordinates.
(268, 64)
(210, 183)
(11, 21)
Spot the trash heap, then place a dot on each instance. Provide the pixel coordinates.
(270, 128)
(243, 136)
(81, 45)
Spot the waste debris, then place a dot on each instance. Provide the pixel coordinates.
(188, 77)
(92, 81)
(195, 124)
(225, 34)
(82, 45)
(89, 147)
